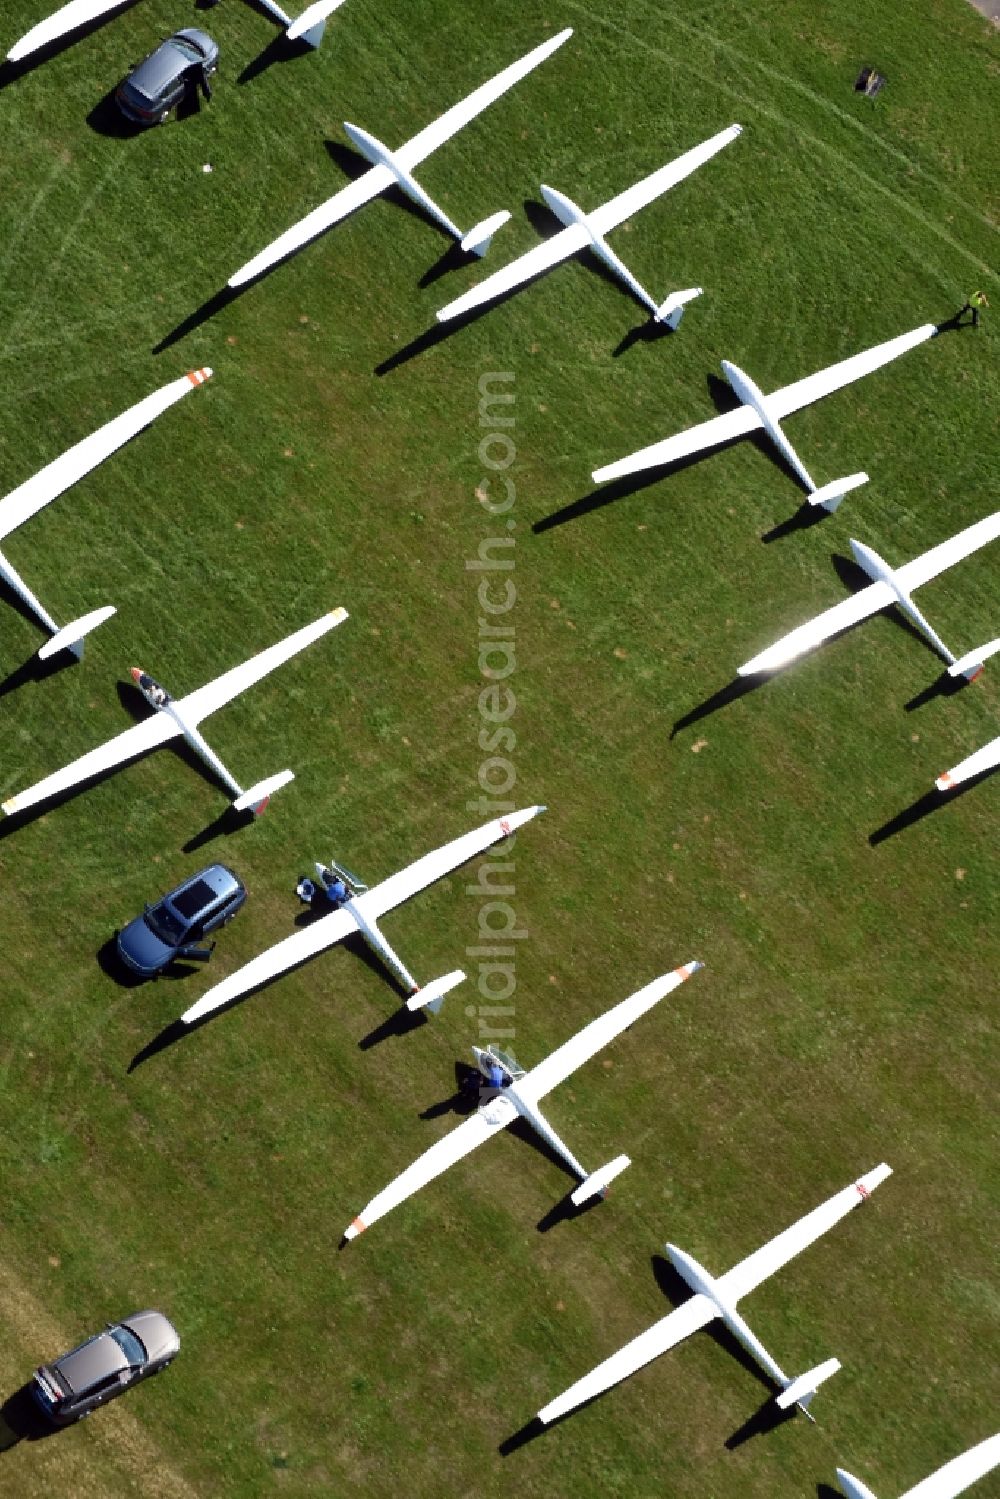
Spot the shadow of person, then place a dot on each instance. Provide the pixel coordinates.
(465, 1099)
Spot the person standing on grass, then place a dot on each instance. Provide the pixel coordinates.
(975, 304)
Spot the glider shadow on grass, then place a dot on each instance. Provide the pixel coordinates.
(931, 801)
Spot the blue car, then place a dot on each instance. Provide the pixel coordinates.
(179, 921)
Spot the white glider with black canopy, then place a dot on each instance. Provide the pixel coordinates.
(519, 1100)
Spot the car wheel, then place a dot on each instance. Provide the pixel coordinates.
(164, 117)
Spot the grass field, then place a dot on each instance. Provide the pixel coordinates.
(848, 925)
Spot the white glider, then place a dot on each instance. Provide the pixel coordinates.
(890, 586)
(396, 167)
(63, 472)
(310, 25)
(361, 913)
(761, 411)
(519, 1099)
(181, 716)
(954, 1478)
(68, 18)
(718, 1298)
(586, 231)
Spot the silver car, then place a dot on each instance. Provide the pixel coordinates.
(105, 1366)
(161, 80)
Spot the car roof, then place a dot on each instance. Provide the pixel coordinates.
(214, 883)
(89, 1364)
(169, 62)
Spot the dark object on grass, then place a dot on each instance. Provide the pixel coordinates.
(869, 83)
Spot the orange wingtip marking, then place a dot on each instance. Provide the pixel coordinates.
(359, 1225)
(944, 781)
(683, 972)
(198, 377)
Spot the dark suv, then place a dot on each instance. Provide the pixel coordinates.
(160, 82)
(105, 1366)
(172, 928)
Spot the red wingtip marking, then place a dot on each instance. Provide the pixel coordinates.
(945, 781)
(683, 972)
(359, 1225)
(976, 674)
(263, 806)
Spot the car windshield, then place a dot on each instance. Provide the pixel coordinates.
(129, 1345)
(185, 45)
(164, 924)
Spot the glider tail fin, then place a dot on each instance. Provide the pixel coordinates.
(256, 799)
(830, 495)
(431, 996)
(801, 1391)
(597, 1183)
(970, 665)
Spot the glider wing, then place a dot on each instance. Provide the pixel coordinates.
(663, 1335)
(313, 939)
(955, 1477)
(434, 866)
(782, 403)
(848, 612)
(641, 194)
(468, 1136)
(912, 574)
(353, 196)
(205, 700)
(767, 1260)
(972, 765)
(66, 19)
(50, 482)
(586, 1043)
(560, 247)
(710, 434)
(426, 141)
(135, 741)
